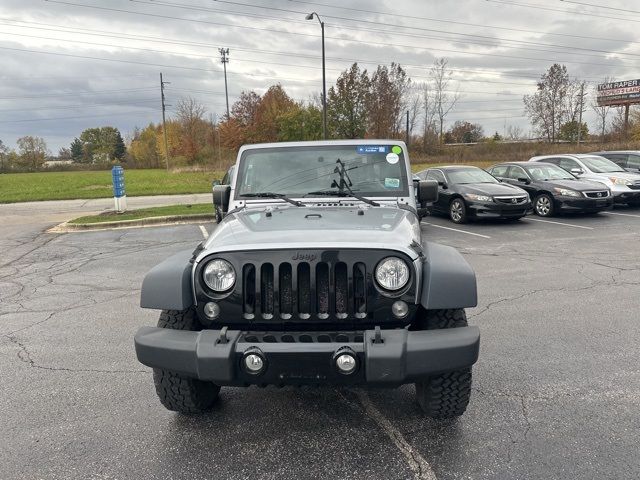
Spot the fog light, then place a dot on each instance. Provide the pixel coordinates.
(211, 310)
(254, 363)
(400, 309)
(346, 363)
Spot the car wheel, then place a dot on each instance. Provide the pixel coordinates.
(458, 211)
(445, 395)
(543, 205)
(178, 392)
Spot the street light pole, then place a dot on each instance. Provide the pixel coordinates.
(324, 78)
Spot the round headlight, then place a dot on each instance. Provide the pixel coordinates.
(219, 275)
(392, 273)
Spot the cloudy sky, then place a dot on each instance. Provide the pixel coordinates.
(69, 65)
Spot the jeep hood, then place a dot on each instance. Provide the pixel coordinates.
(316, 228)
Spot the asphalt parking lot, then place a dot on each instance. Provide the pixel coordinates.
(556, 390)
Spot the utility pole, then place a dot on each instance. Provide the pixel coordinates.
(580, 114)
(164, 123)
(407, 141)
(626, 120)
(224, 52)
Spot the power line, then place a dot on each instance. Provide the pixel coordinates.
(72, 107)
(136, 112)
(462, 52)
(104, 33)
(93, 92)
(468, 24)
(568, 12)
(601, 6)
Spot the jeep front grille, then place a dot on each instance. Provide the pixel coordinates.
(304, 290)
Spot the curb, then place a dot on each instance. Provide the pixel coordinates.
(142, 222)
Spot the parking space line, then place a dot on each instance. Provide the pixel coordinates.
(457, 230)
(417, 463)
(622, 214)
(560, 223)
(205, 234)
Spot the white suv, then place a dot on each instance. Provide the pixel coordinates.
(625, 186)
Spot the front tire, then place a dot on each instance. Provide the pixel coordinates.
(445, 395)
(543, 205)
(458, 211)
(178, 392)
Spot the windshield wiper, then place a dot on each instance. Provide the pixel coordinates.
(273, 195)
(346, 183)
(339, 193)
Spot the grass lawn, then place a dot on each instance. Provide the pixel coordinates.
(27, 187)
(198, 208)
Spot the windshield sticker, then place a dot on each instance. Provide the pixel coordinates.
(396, 149)
(392, 182)
(372, 149)
(392, 158)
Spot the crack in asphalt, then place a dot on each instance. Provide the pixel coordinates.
(25, 356)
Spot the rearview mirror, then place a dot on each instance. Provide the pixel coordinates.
(221, 196)
(427, 191)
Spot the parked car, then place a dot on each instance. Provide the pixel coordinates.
(624, 186)
(226, 180)
(469, 192)
(319, 274)
(553, 189)
(627, 159)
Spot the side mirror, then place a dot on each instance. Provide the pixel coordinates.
(221, 196)
(526, 181)
(214, 183)
(577, 171)
(443, 185)
(427, 191)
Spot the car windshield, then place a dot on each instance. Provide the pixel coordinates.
(470, 175)
(548, 172)
(364, 170)
(601, 165)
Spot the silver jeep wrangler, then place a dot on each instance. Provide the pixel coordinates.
(317, 274)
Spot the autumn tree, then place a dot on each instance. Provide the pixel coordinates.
(32, 152)
(554, 103)
(389, 86)
(347, 103)
(4, 154)
(190, 114)
(464, 132)
(303, 122)
(442, 99)
(144, 149)
(101, 144)
(569, 131)
(273, 103)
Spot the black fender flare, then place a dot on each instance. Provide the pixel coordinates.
(448, 281)
(167, 286)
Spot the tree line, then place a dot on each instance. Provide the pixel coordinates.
(383, 103)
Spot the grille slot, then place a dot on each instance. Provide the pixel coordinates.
(303, 290)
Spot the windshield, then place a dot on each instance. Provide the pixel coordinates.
(549, 172)
(470, 175)
(601, 165)
(369, 170)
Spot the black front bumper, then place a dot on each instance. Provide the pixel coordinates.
(498, 210)
(308, 358)
(583, 204)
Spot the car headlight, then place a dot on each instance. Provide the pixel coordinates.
(219, 275)
(392, 273)
(565, 192)
(479, 198)
(620, 181)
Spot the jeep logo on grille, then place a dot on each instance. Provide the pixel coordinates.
(306, 257)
